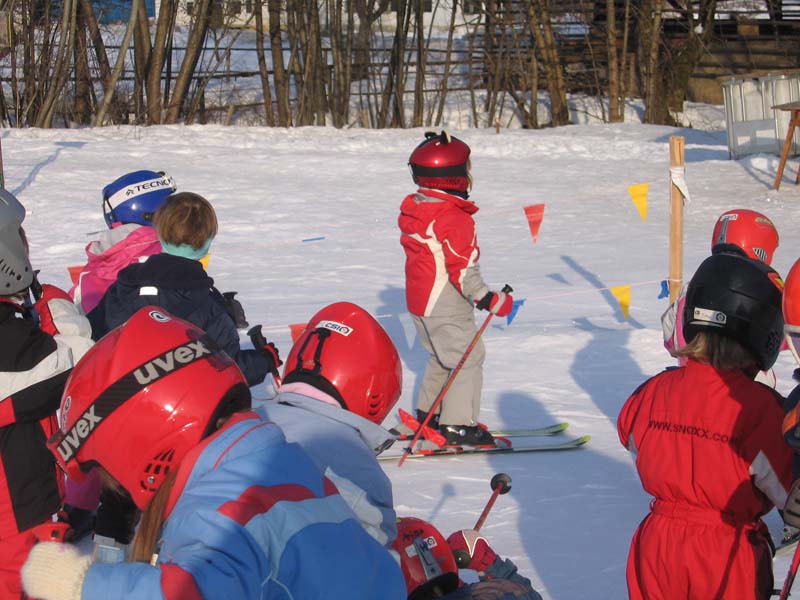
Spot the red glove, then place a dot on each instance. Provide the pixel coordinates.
(498, 303)
(470, 543)
(46, 321)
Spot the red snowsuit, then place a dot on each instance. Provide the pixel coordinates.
(709, 448)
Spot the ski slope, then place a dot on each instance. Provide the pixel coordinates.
(569, 355)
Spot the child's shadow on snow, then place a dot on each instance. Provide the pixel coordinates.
(398, 324)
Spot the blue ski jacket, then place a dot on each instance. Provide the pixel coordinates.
(343, 445)
(181, 287)
(251, 517)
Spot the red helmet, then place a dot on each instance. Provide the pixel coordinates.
(141, 398)
(749, 230)
(425, 559)
(791, 310)
(344, 352)
(441, 162)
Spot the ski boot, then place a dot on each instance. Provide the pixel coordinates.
(467, 435)
(433, 423)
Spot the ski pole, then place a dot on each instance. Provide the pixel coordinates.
(432, 410)
(500, 484)
(787, 585)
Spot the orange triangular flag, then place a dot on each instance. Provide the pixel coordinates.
(638, 194)
(296, 329)
(534, 214)
(623, 295)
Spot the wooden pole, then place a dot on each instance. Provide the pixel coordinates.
(676, 159)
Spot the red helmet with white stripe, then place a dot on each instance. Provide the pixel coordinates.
(749, 230)
(426, 559)
(344, 352)
(441, 162)
(791, 310)
(141, 398)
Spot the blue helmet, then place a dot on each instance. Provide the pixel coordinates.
(135, 197)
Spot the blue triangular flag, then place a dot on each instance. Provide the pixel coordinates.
(664, 290)
(514, 308)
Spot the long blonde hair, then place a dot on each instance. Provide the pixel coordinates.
(149, 531)
(720, 351)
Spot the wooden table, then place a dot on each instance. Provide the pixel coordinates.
(794, 122)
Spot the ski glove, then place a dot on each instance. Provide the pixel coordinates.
(471, 550)
(498, 303)
(55, 571)
(235, 310)
(267, 349)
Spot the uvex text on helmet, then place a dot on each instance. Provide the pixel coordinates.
(141, 398)
(740, 298)
(16, 273)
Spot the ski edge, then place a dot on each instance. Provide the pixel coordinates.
(547, 430)
(450, 451)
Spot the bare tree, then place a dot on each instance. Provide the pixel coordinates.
(194, 46)
(542, 29)
(108, 96)
(614, 84)
(155, 65)
(280, 78)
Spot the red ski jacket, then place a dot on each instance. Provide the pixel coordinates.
(709, 449)
(438, 236)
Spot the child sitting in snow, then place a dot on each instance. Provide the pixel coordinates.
(129, 203)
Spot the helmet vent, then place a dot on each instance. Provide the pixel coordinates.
(157, 469)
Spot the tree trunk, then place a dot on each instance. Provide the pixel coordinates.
(108, 96)
(62, 65)
(262, 65)
(447, 58)
(158, 55)
(82, 111)
(614, 107)
(539, 19)
(419, 80)
(141, 56)
(194, 47)
(279, 77)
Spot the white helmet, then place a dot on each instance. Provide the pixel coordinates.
(16, 273)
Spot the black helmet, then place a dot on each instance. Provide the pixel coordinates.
(739, 298)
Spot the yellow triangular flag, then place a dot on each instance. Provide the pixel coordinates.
(623, 295)
(638, 194)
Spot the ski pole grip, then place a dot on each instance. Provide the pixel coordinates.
(255, 335)
(502, 481)
(507, 289)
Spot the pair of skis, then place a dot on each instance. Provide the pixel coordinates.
(434, 444)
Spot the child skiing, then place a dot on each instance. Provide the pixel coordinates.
(41, 343)
(342, 377)
(430, 570)
(444, 284)
(231, 510)
(707, 443)
(129, 203)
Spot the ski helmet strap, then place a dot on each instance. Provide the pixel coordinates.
(69, 442)
(430, 566)
(313, 375)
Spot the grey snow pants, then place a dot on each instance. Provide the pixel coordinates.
(446, 339)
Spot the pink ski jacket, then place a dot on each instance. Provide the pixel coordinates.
(116, 249)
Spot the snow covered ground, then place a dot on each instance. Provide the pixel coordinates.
(569, 355)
